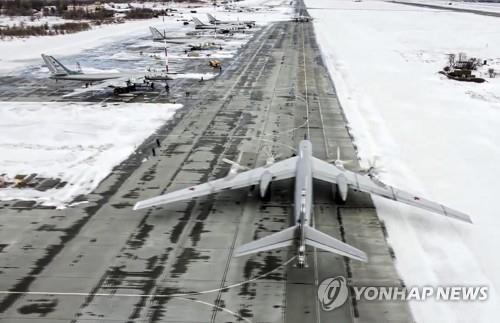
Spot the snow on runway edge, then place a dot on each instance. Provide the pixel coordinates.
(78, 143)
(434, 137)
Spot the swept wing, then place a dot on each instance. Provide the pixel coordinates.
(280, 170)
(330, 173)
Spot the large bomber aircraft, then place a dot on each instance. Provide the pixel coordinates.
(222, 29)
(215, 21)
(304, 168)
(161, 37)
(60, 72)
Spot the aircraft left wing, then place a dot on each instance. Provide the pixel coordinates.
(330, 173)
(280, 170)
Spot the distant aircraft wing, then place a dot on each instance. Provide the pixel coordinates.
(280, 170)
(330, 173)
(176, 41)
(94, 77)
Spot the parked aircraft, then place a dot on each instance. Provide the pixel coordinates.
(199, 33)
(221, 29)
(303, 167)
(214, 21)
(60, 72)
(161, 37)
(205, 46)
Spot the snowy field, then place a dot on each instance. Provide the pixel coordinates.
(76, 142)
(27, 21)
(434, 136)
(19, 53)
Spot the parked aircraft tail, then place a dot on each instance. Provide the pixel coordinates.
(55, 67)
(198, 22)
(325, 242)
(211, 18)
(312, 237)
(276, 240)
(157, 35)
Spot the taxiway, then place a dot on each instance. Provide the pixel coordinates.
(102, 262)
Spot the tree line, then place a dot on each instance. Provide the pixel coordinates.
(43, 30)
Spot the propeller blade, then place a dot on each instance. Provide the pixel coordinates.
(373, 167)
(230, 162)
(233, 163)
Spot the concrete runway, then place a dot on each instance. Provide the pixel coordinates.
(174, 263)
(450, 8)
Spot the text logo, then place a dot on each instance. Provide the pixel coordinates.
(332, 293)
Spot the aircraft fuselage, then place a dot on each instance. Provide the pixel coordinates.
(206, 27)
(303, 196)
(86, 77)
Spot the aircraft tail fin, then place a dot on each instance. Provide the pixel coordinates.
(157, 35)
(211, 18)
(325, 242)
(198, 22)
(55, 67)
(276, 240)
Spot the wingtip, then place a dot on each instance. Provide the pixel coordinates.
(360, 256)
(363, 257)
(464, 218)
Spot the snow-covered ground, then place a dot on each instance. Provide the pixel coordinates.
(76, 142)
(434, 136)
(18, 53)
(480, 6)
(27, 21)
(81, 142)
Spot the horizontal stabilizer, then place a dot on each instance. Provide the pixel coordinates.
(276, 240)
(325, 242)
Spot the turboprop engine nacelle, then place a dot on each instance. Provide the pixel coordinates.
(342, 188)
(265, 180)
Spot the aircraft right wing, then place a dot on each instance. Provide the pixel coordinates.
(330, 173)
(281, 170)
